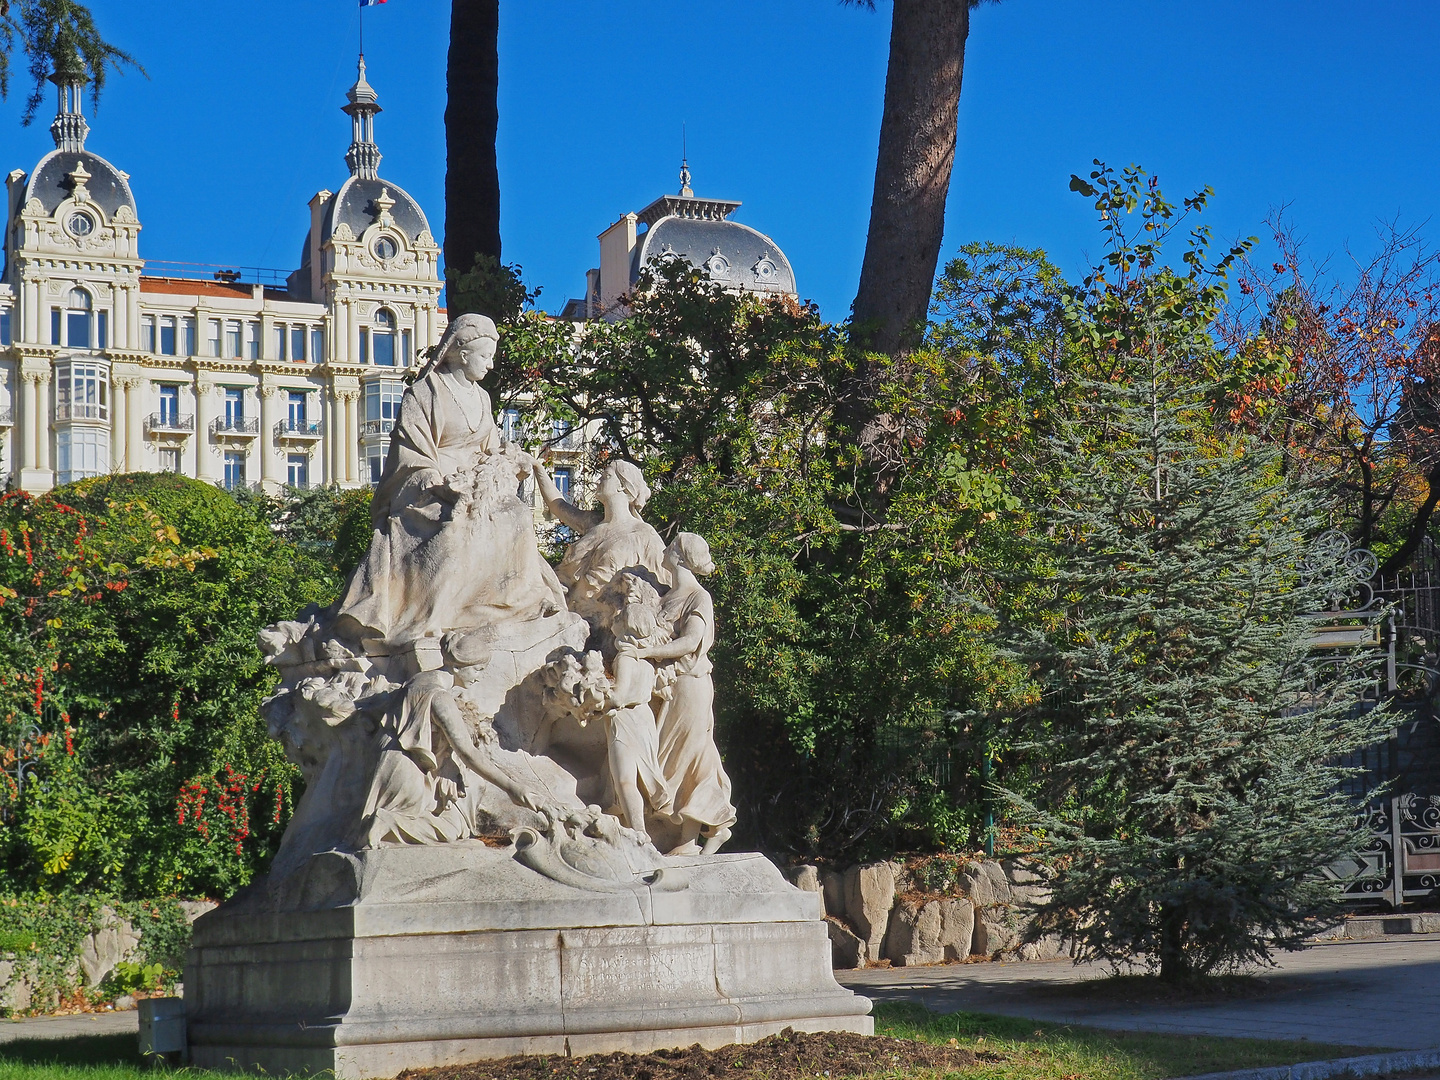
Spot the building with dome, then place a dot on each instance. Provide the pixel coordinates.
(109, 365)
(685, 227)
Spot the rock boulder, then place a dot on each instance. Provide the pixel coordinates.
(869, 896)
(807, 878)
(112, 941)
(847, 951)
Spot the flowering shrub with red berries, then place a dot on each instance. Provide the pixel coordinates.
(130, 606)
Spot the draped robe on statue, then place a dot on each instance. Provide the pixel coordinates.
(688, 754)
(439, 561)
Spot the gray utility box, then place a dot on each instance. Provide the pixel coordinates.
(162, 1026)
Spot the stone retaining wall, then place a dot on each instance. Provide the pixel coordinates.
(112, 941)
(876, 911)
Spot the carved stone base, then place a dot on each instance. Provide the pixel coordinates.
(408, 957)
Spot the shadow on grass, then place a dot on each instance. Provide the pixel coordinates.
(1038, 1050)
(103, 1057)
(1128, 989)
(73, 1050)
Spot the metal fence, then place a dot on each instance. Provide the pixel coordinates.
(1400, 861)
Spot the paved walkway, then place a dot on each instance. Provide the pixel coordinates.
(1360, 993)
(64, 1027)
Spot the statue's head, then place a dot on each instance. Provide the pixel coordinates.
(636, 624)
(690, 551)
(626, 477)
(468, 346)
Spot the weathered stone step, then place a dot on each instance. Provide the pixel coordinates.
(1359, 927)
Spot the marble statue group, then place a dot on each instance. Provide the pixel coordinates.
(509, 838)
(463, 689)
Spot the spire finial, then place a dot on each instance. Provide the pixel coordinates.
(69, 128)
(685, 191)
(363, 157)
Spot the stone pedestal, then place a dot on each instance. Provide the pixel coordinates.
(405, 957)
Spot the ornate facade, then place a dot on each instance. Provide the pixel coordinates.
(108, 368)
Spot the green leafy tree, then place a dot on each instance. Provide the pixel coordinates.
(1197, 789)
(319, 521)
(848, 643)
(489, 287)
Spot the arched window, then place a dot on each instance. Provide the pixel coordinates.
(77, 320)
(384, 338)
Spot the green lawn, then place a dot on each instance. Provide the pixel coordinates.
(84, 1057)
(1031, 1051)
(1039, 1051)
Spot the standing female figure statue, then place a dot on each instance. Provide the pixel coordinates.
(612, 539)
(453, 546)
(688, 755)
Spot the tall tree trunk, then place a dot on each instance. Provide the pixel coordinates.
(472, 119)
(912, 173)
(1174, 966)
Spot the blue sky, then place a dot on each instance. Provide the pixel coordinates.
(1332, 109)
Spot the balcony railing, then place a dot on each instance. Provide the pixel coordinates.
(376, 427)
(7, 417)
(169, 423)
(69, 411)
(235, 427)
(525, 435)
(574, 439)
(294, 428)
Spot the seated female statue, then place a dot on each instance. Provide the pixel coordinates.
(453, 546)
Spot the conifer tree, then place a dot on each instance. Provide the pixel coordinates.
(1199, 789)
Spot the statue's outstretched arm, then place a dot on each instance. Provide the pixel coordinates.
(692, 635)
(476, 758)
(582, 521)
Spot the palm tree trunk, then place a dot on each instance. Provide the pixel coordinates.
(472, 119)
(912, 174)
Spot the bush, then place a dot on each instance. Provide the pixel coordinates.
(128, 977)
(131, 644)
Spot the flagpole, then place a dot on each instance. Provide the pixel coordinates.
(362, 29)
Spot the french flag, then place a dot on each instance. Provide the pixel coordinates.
(370, 3)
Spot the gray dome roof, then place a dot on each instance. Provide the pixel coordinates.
(107, 185)
(352, 205)
(732, 254)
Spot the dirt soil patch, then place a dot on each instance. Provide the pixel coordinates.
(789, 1055)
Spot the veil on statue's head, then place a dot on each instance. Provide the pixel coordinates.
(461, 327)
(632, 482)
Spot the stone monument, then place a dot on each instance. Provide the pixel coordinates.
(509, 840)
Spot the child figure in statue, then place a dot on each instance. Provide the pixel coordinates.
(639, 785)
